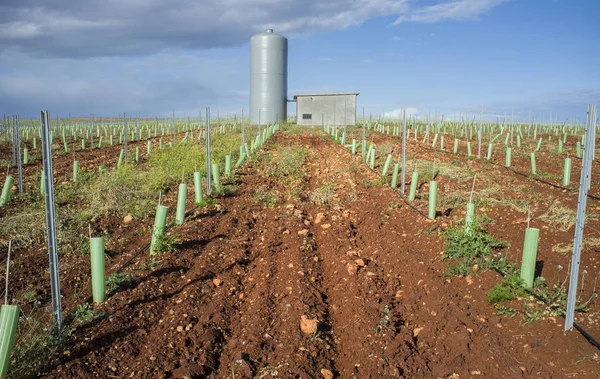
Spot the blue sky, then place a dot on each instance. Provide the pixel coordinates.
(444, 57)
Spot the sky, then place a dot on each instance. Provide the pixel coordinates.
(456, 58)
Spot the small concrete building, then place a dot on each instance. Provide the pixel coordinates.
(326, 108)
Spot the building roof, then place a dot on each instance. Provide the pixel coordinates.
(327, 94)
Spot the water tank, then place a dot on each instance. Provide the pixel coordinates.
(268, 78)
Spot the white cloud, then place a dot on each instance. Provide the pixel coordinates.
(450, 10)
(398, 113)
(90, 28)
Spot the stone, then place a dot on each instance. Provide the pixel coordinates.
(308, 326)
(327, 374)
(416, 331)
(127, 219)
(319, 218)
(216, 282)
(352, 268)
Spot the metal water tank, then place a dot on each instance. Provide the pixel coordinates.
(268, 78)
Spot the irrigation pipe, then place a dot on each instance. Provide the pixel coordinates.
(583, 332)
(518, 173)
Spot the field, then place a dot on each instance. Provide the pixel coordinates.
(305, 262)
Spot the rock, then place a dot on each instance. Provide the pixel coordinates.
(352, 253)
(308, 326)
(360, 262)
(127, 219)
(469, 279)
(327, 374)
(326, 226)
(216, 282)
(416, 331)
(303, 232)
(180, 329)
(475, 268)
(399, 294)
(352, 268)
(319, 218)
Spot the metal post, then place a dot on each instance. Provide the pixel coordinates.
(91, 131)
(402, 184)
(125, 136)
(18, 146)
(208, 176)
(174, 128)
(243, 135)
(584, 186)
(480, 133)
(13, 151)
(51, 221)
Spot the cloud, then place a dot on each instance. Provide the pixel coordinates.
(450, 10)
(109, 86)
(398, 113)
(92, 28)
(151, 56)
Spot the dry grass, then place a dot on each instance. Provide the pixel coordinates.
(447, 170)
(323, 195)
(565, 248)
(562, 218)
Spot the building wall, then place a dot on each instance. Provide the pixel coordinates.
(326, 109)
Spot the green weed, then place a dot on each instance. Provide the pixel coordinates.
(117, 280)
(268, 197)
(165, 244)
(84, 314)
(509, 288)
(470, 249)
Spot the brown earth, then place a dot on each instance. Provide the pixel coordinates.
(232, 300)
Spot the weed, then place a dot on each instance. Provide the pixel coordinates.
(124, 190)
(394, 205)
(84, 314)
(148, 266)
(224, 191)
(384, 321)
(323, 195)
(544, 175)
(34, 347)
(470, 249)
(503, 310)
(30, 295)
(165, 244)
(268, 197)
(287, 163)
(206, 201)
(117, 280)
(368, 183)
(509, 288)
